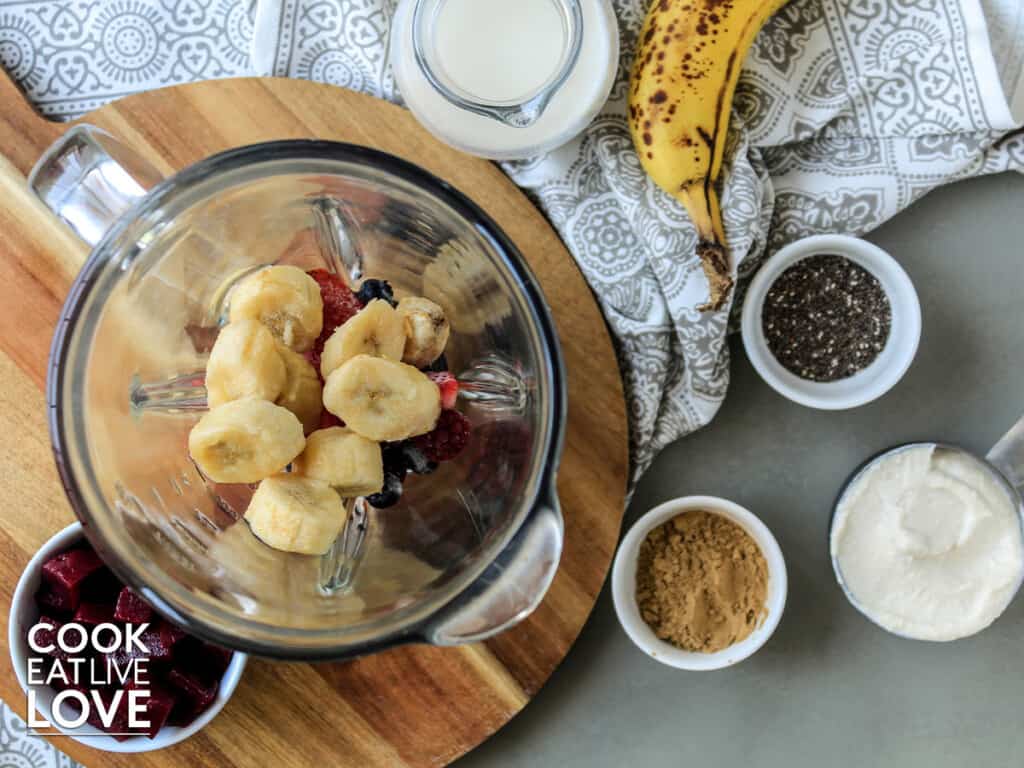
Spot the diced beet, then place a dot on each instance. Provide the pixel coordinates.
(160, 639)
(195, 695)
(66, 572)
(117, 662)
(119, 726)
(101, 587)
(45, 637)
(214, 661)
(132, 608)
(207, 660)
(171, 634)
(47, 599)
(94, 613)
(71, 685)
(107, 696)
(158, 705)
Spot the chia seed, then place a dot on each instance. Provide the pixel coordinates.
(826, 318)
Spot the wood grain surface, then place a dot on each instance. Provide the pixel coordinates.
(414, 706)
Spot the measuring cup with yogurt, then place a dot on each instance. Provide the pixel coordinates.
(926, 538)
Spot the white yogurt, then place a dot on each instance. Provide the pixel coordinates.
(928, 544)
(481, 46)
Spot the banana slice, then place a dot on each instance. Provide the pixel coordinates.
(426, 331)
(245, 441)
(377, 330)
(244, 362)
(383, 400)
(302, 393)
(286, 300)
(348, 462)
(296, 514)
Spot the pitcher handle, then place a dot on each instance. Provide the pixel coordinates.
(512, 586)
(88, 179)
(1008, 455)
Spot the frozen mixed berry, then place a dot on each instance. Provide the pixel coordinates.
(449, 387)
(447, 440)
(328, 420)
(340, 303)
(438, 366)
(391, 493)
(402, 458)
(416, 461)
(376, 289)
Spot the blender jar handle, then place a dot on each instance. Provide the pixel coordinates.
(511, 587)
(1008, 455)
(89, 178)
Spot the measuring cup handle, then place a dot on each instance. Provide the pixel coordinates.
(511, 587)
(1008, 455)
(89, 178)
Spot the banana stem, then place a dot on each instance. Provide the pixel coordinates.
(701, 203)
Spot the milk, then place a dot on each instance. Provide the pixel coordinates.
(500, 50)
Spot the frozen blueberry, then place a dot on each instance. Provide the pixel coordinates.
(438, 366)
(416, 461)
(391, 493)
(376, 289)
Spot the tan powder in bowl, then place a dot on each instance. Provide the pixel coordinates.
(701, 582)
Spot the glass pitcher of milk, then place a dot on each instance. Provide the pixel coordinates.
(505, 79)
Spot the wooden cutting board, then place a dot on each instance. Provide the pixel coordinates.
(415, 706)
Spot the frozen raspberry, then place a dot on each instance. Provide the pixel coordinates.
(340, 304)
(447, 440)
(449, 387)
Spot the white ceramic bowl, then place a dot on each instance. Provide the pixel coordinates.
(24, 614)
(866, 385)
(624, 585)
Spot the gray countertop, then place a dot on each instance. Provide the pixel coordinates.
(829, 689)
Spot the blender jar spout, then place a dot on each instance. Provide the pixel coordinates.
(88, 179)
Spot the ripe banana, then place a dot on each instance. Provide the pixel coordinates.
(286, 300)
(680, 96)
(302, 393)
(348, 462)
(383, 400)
(426, 331)
(244, 362)
(296, 514)
(245, 441)
(377, 330)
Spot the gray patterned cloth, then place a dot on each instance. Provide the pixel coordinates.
(847, 112)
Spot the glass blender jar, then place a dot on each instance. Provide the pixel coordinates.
(470, 550)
